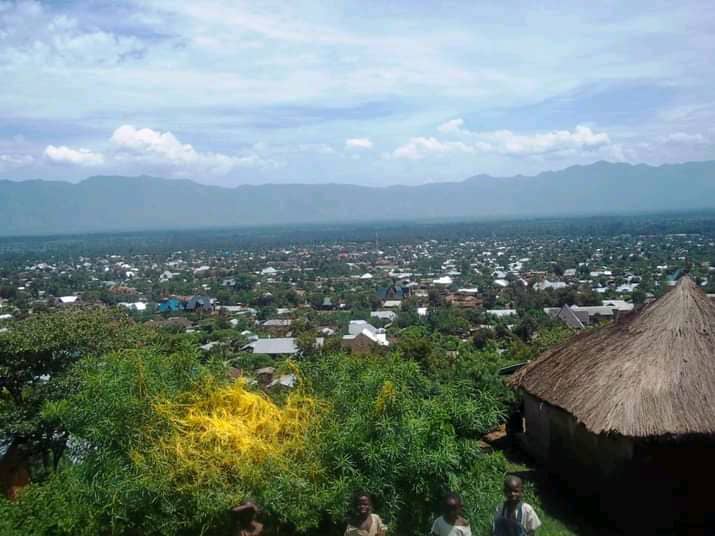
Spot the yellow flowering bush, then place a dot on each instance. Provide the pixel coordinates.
(233, 430)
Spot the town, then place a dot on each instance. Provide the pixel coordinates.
(360, 295)
(468, 304)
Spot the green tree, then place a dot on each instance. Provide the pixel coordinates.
(306, 343)
(34, 357)
(415, 344)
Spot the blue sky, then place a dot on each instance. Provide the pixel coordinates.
(375, 93)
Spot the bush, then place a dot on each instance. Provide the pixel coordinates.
(164, 444)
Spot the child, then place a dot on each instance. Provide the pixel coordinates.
(451, 522)
(245, 520)
(515, 517)
(364, 522)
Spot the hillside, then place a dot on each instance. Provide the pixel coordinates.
(131, 203)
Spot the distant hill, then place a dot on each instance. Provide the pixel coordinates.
(138, 203)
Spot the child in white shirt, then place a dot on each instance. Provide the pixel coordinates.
(515, 517)
(451, 522)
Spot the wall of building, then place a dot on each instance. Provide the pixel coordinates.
(670, 478)
(558, 441)
(359, 345)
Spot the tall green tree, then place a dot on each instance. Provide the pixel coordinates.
(34, 358)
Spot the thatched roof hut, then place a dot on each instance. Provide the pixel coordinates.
(651, 374)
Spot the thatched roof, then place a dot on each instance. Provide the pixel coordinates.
(652, 373)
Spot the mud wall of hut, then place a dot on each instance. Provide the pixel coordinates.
(559, 442)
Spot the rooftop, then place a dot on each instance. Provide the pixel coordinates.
(649, 374)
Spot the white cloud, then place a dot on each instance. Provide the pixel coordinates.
(165, 148)
(15, 160)
(503, 142)
(418, 148)
(616, 152)
(319, 148)
(78, 157)
(453, 125)
(358, 143)
(32, 35)
(506, 142)
(685, 138)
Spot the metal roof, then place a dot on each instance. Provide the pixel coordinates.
(274, 346)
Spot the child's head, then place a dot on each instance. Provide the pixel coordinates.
(451, 507)
(513, 489)
(362, 504)
(246, 513)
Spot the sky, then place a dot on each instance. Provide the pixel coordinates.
(366, 92)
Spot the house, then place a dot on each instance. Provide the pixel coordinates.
(393, 292)
(363, 343)
(468, 291)
(123, 290)
(277, 326)
(444, 281)
(573, 318)
(363, 337)
(501, 313)
(629, 406)
(596, 313)
(278, 346)
(358, 326)
(463, 300)
(578, 317)
(134, 306)
(238, 310)
(68, 300)
(620, 306)
(199, 303)
(166, 275)
(389, 316)
(172, 304)
(546, 284)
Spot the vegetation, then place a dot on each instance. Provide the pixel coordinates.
(157, 440)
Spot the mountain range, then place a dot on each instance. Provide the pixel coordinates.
(104, 203)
